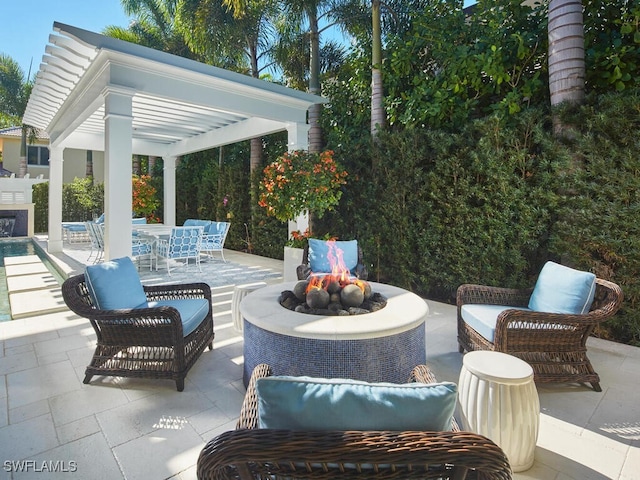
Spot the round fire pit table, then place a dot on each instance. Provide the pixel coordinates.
(381, 346)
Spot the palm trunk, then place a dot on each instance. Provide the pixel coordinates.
(89, 165)
(315, 131)
(22, 169)
(566, 55)
(378, 117)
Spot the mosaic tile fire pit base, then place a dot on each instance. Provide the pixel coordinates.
(381, 346)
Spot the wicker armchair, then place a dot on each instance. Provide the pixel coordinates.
(252, 453)
(553, 344)
(142, 342)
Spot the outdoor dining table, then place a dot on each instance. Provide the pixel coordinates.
(153, 230)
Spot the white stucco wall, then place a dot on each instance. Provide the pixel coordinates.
(74, 162)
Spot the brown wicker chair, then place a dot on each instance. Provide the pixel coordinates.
(252, 453)
(144, 342)
(553, 344)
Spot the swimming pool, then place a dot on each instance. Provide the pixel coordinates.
(16, 248)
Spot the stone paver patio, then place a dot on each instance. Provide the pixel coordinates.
(145, 429)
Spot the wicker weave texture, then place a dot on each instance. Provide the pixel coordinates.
(142, 342)
(553, 344)
(251, 453)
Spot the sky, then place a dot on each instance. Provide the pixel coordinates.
(26, 24)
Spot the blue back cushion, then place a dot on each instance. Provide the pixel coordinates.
(305, 403)
(215, 228)
(193, 222)
(561, 289)
(115, 284)
(139, 221)
(319, 254)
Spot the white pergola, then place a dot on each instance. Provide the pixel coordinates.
(95, 92)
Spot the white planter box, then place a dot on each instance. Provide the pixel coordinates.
(292, 258)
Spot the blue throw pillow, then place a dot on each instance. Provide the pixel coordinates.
(305, 403)
(319, 251)
(115, 284)
(561, 289)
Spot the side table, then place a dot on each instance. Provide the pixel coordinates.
(239, 292)
(498, 399)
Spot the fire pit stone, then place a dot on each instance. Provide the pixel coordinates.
(330, 295)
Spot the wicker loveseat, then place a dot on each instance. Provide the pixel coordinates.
(143, 342)
(250, 452)
(554, 344)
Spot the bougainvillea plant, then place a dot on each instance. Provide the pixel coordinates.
(145, 202)
(299, 181)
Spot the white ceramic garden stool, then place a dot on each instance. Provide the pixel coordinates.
(499, 400)
(239, 292)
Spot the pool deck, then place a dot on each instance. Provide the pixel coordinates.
(145, 429)
(32, 288)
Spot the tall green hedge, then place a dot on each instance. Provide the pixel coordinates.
(492, 202)
(598, 227)
(81, 201)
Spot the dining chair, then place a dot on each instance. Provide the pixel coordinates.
(96, 236)
(183, 244)
(213, 238)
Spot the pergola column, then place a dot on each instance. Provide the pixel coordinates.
(169, 183)
(118, 188)
(298, 139)
(54, 243)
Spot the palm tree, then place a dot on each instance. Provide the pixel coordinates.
(566, 54)
(15, 89)
(154, 26)
(237, 42)
(296, 12)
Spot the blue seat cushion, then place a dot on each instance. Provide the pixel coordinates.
(115, 284)
(192, 311)
(74, 228)
(483, 318)
(561, 289)
(320, 252)
(305, 403)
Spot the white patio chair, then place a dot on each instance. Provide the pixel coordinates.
(140, 248)
(96, 236)
(213, 238)
(183, 244)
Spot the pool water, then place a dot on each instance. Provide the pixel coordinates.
(17, 248)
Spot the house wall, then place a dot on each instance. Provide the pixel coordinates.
(74, 162)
